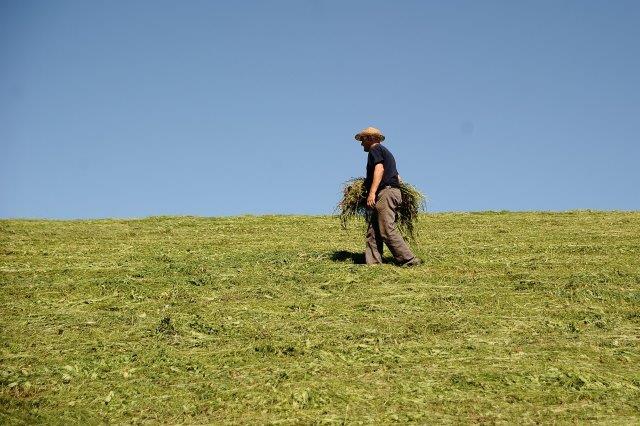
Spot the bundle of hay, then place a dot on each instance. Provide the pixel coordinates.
(354, 204)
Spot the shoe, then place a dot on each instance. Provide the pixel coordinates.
(413, 262)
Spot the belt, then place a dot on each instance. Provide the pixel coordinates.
(387, 186)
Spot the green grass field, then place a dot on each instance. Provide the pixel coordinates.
(514, 317)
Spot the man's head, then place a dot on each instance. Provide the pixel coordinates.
(368, 141)
(369, 137)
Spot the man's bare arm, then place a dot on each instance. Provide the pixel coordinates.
(378, 171)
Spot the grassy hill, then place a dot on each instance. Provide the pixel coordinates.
(517, 317)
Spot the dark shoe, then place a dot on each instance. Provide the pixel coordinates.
(413, 262)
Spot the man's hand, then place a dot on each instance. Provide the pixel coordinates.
(371, 200)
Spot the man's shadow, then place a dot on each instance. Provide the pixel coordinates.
(357, 258)
(343, 256)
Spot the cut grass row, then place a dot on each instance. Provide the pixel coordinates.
(517, 317)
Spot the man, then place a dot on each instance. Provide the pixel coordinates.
(383, 188)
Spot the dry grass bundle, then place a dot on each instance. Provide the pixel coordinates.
(354, 204)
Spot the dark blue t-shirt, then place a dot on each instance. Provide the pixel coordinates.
(380, 154)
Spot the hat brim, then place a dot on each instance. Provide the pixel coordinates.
(360, 135)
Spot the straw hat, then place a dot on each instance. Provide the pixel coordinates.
(370, 131)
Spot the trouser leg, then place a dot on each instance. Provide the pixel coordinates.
(388, 201)
(373, 251)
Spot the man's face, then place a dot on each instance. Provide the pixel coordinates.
(367, 142)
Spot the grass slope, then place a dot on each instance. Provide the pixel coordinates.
(517, 317)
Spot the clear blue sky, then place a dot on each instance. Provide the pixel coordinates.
(130, 109)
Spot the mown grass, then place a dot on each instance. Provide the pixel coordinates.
(514, 317)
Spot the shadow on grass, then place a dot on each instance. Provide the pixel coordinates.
(343, 256)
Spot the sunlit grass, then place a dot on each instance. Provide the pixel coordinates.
(517, 317)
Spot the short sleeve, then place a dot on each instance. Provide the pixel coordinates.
(376, 156)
